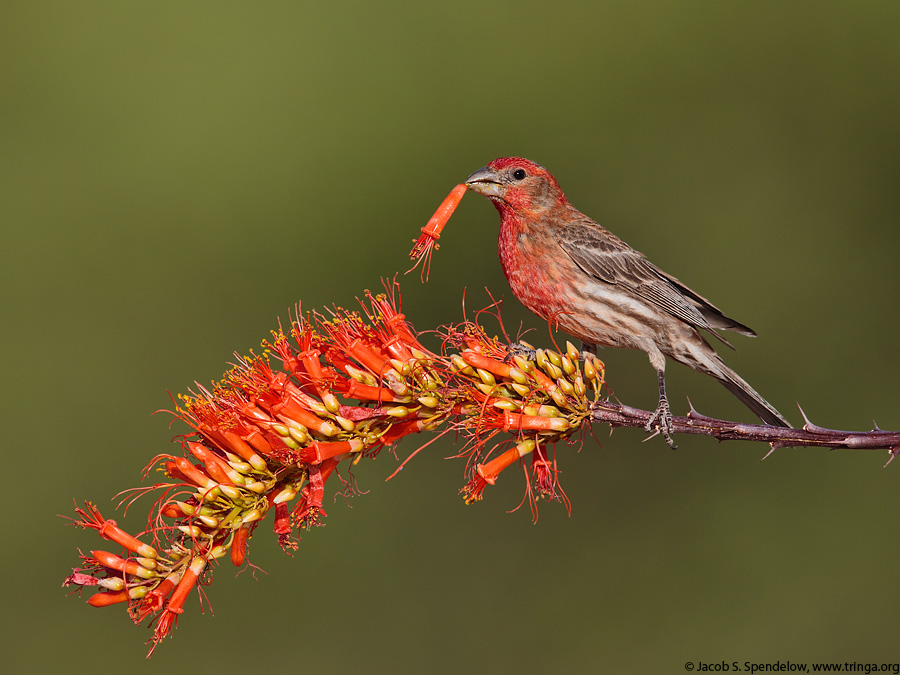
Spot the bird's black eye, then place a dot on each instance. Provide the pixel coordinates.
(519, 174)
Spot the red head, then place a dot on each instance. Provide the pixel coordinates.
(517, 186)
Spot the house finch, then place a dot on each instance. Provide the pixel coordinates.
(567, 269)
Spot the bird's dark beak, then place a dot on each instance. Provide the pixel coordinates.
(485, 182)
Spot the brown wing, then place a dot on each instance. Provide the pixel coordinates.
(606, 257)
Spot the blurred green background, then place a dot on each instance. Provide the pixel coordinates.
(174, 176)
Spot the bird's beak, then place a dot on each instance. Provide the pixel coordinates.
(485, 182)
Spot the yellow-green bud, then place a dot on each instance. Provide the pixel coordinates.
(112, 583)
(191, 530)
(401, 367)
(518, 376)
(429, 401)
(523, 364)
(486, 377)
(209, 521)
(329, 429)
(291, 443)
(559, 424)
(559, 398)
(300, 434)
(251, 515)
(526, 446)
(331, 402)
(522, 390)
(218, 551)
(240, 466)
(286, 495)
(565, 385)
(346, 425)
(398, 411)
(580, 389)
(137, 592)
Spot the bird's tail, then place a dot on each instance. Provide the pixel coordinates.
(748, 396)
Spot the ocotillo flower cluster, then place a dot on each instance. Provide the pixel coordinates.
(330, 390)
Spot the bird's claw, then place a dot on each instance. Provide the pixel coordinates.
(661, 421)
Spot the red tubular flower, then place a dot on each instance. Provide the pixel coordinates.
(291, 408)
(282, 347)
(215, 467)
(256, 440)
(543, 474)
(105, 599)
(169, 617)
(396, 333)
(316, 453)
(118, 564)
(240, 447)
(282, 519)
(400, 429)
(155, 599)
(364, 392)
(192, 473)
(171, 510)
(494, 366)
(308, 511)
(173, 472)
(427, 241)
(509, 421)
(239, 545)
(486, 474)
(309, 369)
(350, 336)
(108, 529)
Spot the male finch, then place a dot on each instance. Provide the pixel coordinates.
(566, 268)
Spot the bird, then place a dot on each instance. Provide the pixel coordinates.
(576, 274)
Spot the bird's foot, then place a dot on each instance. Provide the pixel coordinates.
(661, 421)
(523, 349)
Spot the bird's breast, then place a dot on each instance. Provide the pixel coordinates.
(532, 270)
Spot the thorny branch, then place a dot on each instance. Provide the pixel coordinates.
(812, 435)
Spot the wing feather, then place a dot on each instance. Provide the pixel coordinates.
(604, 256)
